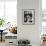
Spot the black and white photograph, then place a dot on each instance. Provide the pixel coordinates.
(28, 16)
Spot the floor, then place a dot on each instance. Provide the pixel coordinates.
(2, 43)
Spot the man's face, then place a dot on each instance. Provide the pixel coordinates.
(29, 18)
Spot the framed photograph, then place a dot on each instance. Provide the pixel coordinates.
(28, 17)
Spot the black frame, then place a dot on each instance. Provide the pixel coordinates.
(31, 13)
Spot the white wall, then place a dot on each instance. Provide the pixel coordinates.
(31, 32)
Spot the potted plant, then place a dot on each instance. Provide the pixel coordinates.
(1, 22)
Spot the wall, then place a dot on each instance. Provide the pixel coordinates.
(31, 32)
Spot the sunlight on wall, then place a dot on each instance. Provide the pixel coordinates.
(11, 11)
(1, 9)
(8, 11)
(43, 4)
(44, 16)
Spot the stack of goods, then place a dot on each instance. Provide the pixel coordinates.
(13, 29)
(43, 37)
(24, 43)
